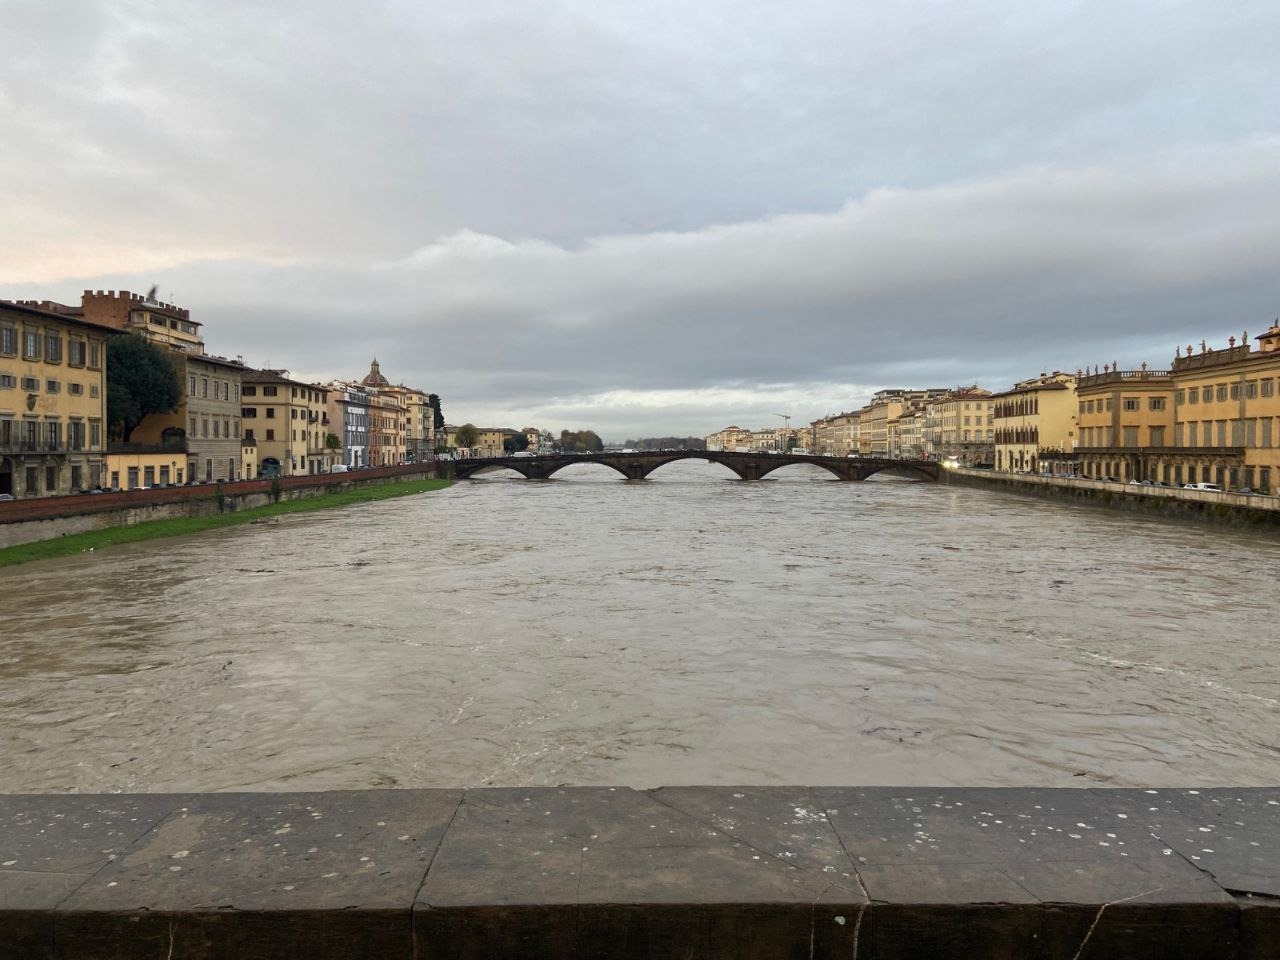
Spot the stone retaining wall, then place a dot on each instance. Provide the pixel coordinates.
(1231, 508)
(46, 518)
(707, 872)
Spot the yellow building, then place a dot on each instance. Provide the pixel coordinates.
(1227, 415)
(134, 469)
(1126, 423)
(52, 402)
(289, 423)
(1034, 421)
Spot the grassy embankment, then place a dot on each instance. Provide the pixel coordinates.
(97, 539)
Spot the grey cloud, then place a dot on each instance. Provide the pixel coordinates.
(987, 280)
(535, 207)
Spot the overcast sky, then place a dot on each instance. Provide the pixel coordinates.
(653, 217)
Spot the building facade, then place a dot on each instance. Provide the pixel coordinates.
(52, 402)
(289, 423)
(1035, 422)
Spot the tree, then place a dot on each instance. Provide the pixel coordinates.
(142, 378)
(515, 443)
(434, 400)
(332, 442)
(467, 435)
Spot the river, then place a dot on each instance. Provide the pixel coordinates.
(690, 629)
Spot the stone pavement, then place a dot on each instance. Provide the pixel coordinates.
(678, 872)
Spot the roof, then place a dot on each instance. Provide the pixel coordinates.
(24, 310)
(277, 376)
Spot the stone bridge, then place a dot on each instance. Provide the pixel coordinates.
(748, 466)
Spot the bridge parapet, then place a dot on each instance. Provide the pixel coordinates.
(748, 466)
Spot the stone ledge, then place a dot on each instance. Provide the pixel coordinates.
(669, 873)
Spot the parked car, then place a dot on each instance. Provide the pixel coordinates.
(1202, 486)
(6, 496)
(339, 468)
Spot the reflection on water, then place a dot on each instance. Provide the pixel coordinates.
(688, 629)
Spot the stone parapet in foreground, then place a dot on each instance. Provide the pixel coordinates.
(679, 872)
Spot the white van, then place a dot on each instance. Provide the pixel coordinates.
(1202, 486)
(339, 468)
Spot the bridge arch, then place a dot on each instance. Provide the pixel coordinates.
(915, 472)
(835, 469)
(553, 469)
(491, 468)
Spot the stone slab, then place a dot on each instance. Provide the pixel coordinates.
(1232, 834)
(742, 872)
(264, 875)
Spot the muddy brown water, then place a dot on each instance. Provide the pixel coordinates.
(691, 629)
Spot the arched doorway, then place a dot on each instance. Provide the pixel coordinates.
(6, 476)
(270, 467)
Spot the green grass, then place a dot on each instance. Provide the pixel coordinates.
(110, 536)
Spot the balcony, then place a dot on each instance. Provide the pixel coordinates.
(1121, 376)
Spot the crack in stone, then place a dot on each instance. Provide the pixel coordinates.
(1097, 917)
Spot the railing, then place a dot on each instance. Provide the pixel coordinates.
(1117, 376)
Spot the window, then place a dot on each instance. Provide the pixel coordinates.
(216, 426)
(51, 479)
(1180, 397)
(31, 344)
(204, 428)
(164, 475)
(149, 476)
(1155, 403)
(53, 348)
(1193, 434)
(77, 475)
(217, 390)
(204, 387)
(52, 386)
(269, 392)
(248, 390)
(30, 384)
(76, 353)
(1131, 403)
(95, 434)
(271, 434)
(271, 413)
(249, 413)
(1222, 433)
(1157, 436)
(1235, 391)
(133, 478)
(1268, 387)
(53, 434)
(1251, 390)
(248, 434)
(1222, 392)
(93, 390)
(75, 436)
(1130, 436)
(75, 389)
(8, 340)
(8, 381)
(1193, 395)
(192, 430)
(191, 385)
(95, 355)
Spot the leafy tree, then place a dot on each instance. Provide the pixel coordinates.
(467, 435)
(332, 442)
(142, 378)
(580, 441)
(515, 443)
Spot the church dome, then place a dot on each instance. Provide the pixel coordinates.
(375, 377)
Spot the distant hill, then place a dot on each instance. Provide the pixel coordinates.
(667, 443)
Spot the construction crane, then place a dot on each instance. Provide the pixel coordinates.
(786, 420)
